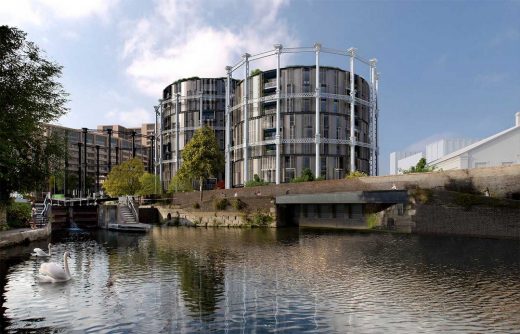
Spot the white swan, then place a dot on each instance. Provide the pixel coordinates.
(52, 272)
(40, 252)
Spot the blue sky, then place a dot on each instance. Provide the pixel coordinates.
(448, 68)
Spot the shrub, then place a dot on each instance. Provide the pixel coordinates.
(372, 220)
(220, 203)
(304, 177)
(423, 196)
(238, 204)
(256, 181)
(260, 219)
(355, 174)
(18, 214)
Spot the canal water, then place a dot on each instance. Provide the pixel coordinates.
(184, 280)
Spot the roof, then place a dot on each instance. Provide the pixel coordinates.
(474, 145)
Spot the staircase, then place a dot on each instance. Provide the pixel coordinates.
(127, 216)
(41, 215)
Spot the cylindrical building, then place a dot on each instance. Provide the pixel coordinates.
(199, 102)
(298, 124)
(278, 122)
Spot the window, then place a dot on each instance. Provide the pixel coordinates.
(335, 106)
(306, 104)
(480, 164)
(306, 162)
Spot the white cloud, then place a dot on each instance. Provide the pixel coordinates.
(37, 12)
(179, 39)
(131, 118)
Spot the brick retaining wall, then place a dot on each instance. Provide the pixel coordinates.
(478, 221)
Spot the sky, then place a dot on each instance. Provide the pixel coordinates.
(447, 68)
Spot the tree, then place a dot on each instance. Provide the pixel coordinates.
(124, 179)
(177, 184)
(420, 167)
(201, 157)
(150, 184)
(29, 96)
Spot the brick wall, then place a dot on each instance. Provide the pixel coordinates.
(497, 222)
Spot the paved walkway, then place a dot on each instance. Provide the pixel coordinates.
(20, 235)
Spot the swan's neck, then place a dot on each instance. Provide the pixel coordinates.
(49, 250)
(66, 265)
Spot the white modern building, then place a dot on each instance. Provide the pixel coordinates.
(501, 149)
(401, 161)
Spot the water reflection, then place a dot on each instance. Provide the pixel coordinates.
(234, 280)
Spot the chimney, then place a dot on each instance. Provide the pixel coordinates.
(518, 118)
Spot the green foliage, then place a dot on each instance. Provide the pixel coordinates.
(256, 181)
(220, 203)
(355, 174)
(201, 157)
(260, 219)
(421, 167)
(238, 204)
(254, 72)
(124, 179)
(30, 95)
(178, 184)
(150, 184)
(304, 177)
(18, 214)
(372, 220)
(422, 196)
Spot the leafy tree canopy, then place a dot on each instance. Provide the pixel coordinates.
(201, 157)
(124, 179)
(150, 184)
(30, 95)
(421, 167)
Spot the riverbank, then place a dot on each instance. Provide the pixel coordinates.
(23, 235)
(439, 203)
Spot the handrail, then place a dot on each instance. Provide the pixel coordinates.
(46, 203)
(131, 206)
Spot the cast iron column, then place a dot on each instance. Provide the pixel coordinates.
(278, 49)
(227, 174)
(245, 145)
(177, 134)
(85, 160)
(317, 48)
(80, 174)
(352, 54)
(133, 144)
(109, 149)
(97, 168)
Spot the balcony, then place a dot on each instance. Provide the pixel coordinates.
(270, 84)
(269, 110)
(269, 133)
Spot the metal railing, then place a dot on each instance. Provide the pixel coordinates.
(130, 204)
